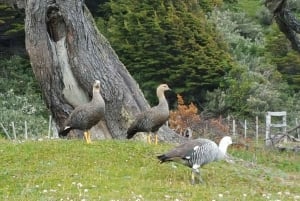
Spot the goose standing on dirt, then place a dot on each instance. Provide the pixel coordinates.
(196, 153)
(152, 119)
(85, 116)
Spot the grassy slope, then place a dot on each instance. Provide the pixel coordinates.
(122, 170)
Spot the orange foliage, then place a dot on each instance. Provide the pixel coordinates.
(217, 123)
(186, 116)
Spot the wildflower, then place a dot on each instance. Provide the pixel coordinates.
(220, 195)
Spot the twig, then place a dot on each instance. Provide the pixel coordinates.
(5, 131)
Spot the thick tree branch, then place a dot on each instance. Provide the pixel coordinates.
(286, 21)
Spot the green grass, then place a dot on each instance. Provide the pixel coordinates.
(129, 170)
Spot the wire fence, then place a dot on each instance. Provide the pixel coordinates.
(254, 129)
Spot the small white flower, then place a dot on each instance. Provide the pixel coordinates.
(287, 193)
(279, 193)
(73, 183)
(79, 185)
(297, 197)
(37, 186)
(245, 195)
(86, 190)
(59, 185)
(45, 191)
(220, 195)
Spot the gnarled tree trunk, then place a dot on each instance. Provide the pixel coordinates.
(67, 54)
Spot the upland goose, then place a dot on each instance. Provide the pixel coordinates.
(152, 119)
(85, 116)
(196, 153)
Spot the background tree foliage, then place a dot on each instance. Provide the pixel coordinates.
(166, 41)
(11, 31)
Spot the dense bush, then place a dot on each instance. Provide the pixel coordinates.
(21, 108)
(255, 86)
(20, 99)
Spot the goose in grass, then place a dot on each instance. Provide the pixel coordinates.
(196, 153)
(152, 119)
(85, 116)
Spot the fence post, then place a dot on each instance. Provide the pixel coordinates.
(256, 127)
(49, 126)
(268, 126)
(297, 130)
(233, 128)
(14, 130)
(284, 128)
(245, 129)
(282, 125)
(25, 134)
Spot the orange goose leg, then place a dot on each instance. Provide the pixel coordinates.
(156, 138)
(87, 136)
(149, 138)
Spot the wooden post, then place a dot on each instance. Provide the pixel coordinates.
(245, 129)
(281, 125)
(256, 126)
(284, 128)
(25, 133)
(14, 130)
(268, 127)
(49, 126)
(297, 130)
(233, 128)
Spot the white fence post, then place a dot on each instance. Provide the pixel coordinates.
(25, 133)
(256, 129)
(245, 129)
(49, 126)
(14, 130)
(233, 128)
(297, 130)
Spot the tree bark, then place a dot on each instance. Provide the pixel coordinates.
(67, 54)
(287, 22)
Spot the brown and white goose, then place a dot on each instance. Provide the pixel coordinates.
(85, 116)
(152, 119)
